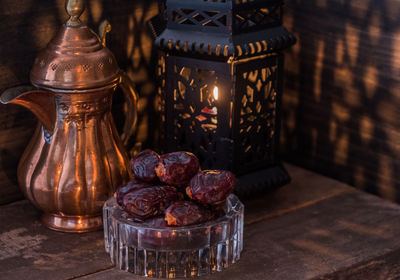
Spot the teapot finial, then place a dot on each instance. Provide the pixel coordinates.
(74, 9)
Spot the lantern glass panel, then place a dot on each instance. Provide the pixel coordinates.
(199, 108)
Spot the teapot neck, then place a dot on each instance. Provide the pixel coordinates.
(83, 104)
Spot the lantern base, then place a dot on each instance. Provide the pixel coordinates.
(262, 181)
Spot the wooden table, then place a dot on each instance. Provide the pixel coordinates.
(313, 228)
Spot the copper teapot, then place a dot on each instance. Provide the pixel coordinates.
(76, 159)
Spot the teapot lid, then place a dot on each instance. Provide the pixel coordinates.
(75, 58)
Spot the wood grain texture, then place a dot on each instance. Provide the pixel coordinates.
(332, 239)
(342, 96)
(314, 228)
(305, 189)
(28, 250)
(386, 267)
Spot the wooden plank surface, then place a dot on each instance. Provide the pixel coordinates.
(313, 227)
(305, 189)
(310, 243)
(28, 250)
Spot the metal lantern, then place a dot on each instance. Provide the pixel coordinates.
(221, 71)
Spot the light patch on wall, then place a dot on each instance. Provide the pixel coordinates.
(396, 52)
(344, 76)
(288, 20)
(340, 112)
(291, 98)
(370, 80)
(393, 140)
(148, 88)
(140, 75)
(319, 63)
(139, 12)
(129, 45)
(366, 128)
(339, 51)
(131, 23)
(142, 103)
(388, 111)
(130, 39)
(146, 46)
(136, 57)
(352, 96)
(295, 49)
(332, 131)
(96, 9)
(341, 149)
(359, 177)
(387, 188)
(352, 42)
(375, 27)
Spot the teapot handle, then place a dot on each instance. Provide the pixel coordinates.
(128, 88)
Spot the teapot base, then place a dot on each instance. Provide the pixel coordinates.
(72, 223)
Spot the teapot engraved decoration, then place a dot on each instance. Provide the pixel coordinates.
(75, 160)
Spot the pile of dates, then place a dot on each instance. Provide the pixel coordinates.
(171, 190)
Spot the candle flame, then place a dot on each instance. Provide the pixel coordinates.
(216, 93)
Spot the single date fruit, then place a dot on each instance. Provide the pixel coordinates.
(177, 168)
(184, 213)
(211, 186)
(149, 202)
(143, 165)
(130, 186)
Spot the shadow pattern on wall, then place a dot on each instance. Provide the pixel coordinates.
(342, 92)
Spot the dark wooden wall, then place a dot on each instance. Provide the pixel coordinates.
(342, 93)
(342, 96)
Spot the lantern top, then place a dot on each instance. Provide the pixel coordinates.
(225, 27)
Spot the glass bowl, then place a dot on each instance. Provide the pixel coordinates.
(173, 252)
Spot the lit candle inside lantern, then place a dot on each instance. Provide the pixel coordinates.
(216, 93)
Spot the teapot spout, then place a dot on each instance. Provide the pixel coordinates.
(39, 102)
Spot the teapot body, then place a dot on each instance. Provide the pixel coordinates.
(70, 172)
(76, 159)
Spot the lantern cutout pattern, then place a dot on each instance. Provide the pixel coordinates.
(221, 67)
